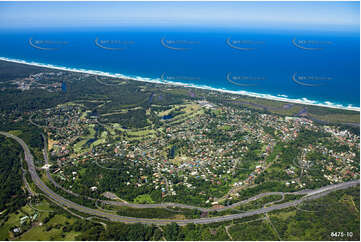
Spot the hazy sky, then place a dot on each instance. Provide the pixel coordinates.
(333, 15)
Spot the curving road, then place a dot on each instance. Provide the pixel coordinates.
(312, 194)
(160, 205)
(46, 159)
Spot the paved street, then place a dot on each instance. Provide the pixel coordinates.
(311, 194)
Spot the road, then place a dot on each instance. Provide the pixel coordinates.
(158, 205)
(46, 159)
(61, 201)
(37, 125)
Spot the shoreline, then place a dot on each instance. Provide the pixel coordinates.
(279, 98)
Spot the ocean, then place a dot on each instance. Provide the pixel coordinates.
(302, 66)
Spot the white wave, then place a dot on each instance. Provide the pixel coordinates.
(279, 97)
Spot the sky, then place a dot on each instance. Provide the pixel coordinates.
(330, 15)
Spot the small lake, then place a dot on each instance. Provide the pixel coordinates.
(166, 117)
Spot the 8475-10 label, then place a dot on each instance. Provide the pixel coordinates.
(341, 234)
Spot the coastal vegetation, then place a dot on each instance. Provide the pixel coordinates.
(128, 141)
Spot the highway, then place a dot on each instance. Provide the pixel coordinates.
(61, 201)
(159, 205)
(46, 159)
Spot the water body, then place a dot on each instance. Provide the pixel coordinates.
(166, 117)
(319, 67)
(63, 86)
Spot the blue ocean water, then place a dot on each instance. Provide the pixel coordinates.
(320, 66)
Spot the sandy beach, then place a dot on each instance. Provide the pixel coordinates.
(280, 97)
